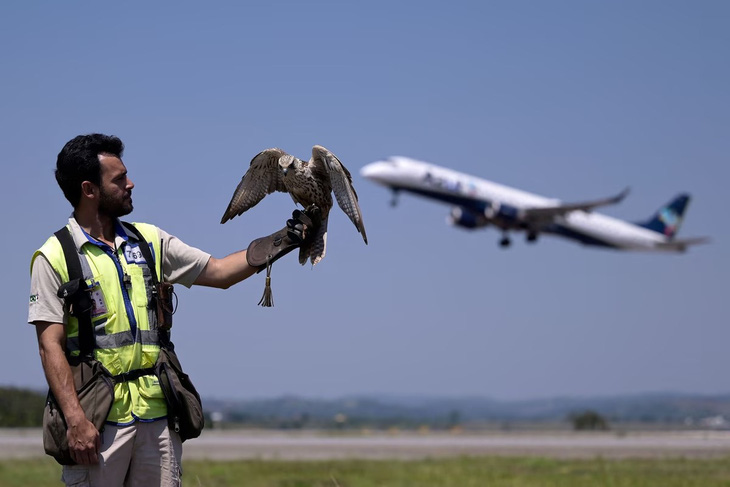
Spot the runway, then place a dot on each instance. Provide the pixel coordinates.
(313, 445)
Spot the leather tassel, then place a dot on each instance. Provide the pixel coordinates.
(267, 300)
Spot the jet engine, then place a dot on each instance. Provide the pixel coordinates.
(461, 217)
(504, 216)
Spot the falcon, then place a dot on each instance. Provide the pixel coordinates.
(308, 183)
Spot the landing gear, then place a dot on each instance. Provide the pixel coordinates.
(532, 237)
(505, 242)
(394, 199)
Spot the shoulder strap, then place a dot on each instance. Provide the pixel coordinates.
(144, 247)
(73, 264)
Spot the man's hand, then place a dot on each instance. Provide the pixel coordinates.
(84, 441)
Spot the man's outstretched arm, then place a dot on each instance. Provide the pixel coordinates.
(234, 268)
(224, 273)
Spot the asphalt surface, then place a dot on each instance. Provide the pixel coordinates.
(306, 445)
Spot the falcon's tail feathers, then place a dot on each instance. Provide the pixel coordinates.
(318, 250)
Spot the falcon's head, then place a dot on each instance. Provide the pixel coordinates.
(286, 162)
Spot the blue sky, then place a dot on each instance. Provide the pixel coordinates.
(568, 99)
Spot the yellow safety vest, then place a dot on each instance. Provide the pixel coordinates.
(124, 326)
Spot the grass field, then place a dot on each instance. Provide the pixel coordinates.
(462, 472)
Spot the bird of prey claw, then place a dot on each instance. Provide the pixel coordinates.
(307, 182)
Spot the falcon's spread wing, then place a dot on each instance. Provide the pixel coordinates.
(262, 177)
(341, 181)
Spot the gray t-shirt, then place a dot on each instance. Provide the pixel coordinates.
(182, 264)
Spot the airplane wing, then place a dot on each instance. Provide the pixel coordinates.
(548, 213)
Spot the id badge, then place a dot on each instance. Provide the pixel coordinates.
(98, 306)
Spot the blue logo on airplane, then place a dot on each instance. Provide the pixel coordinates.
(670, 218)
(453, 186)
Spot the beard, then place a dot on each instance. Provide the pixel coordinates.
(113, 206)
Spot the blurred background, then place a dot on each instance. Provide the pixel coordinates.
(568, 99)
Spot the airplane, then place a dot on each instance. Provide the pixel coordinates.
(477, 203)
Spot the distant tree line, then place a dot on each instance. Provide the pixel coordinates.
(21, 408)
(588, 420)
(24, 408)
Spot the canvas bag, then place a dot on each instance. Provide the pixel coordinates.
(95, 390)
(92, 382)
(184, 408)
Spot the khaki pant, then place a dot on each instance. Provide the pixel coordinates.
(140, 454)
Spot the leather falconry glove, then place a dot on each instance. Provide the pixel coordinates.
(264, 251)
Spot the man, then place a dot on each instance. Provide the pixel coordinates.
(136, 446)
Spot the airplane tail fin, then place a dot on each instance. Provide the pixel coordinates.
(669, 217)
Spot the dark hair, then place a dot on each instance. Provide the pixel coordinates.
(78, 161)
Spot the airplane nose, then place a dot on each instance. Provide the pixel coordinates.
(366, 171)
(372, 170)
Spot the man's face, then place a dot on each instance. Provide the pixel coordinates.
(115, 192)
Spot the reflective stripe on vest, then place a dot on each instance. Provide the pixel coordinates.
(124, 325)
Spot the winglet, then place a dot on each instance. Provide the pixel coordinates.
(619, 197)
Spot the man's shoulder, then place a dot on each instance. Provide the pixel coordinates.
(51, 252)
(77, 234)
(51, 245)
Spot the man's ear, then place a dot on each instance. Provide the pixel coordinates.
(89, 190)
